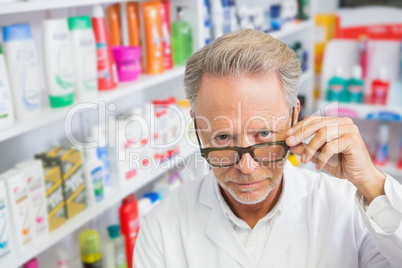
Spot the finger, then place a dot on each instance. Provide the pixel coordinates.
(323, 136)
(311, 129)
(329, 150)
(307, 120)
(298, 149)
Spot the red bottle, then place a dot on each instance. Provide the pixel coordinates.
(379, 88)
(107, 75)
(130, 225)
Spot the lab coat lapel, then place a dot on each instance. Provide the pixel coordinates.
(219, 228)
(287, 227)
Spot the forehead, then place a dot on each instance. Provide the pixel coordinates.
(246, 96)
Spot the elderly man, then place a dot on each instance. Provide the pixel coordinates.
(255, 209)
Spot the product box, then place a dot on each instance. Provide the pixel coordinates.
(34, 177)
(70, 163)
(17, 190)
(56, 209)
(6, 241)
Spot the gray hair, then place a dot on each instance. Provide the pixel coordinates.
(249, 52)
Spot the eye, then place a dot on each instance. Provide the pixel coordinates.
(223, 137)
(264, 134)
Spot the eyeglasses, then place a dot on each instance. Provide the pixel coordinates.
(227, 156)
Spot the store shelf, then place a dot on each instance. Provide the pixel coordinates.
(48, 115)
(28, 6)
(361, 111)
(91, 212)
(292, 28)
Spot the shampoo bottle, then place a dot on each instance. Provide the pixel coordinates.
(356, 85)
(130, 225)
(90, 248)
(207, 22)
(84, 49)
(380, 87)
(152, 35)
(59, 65)
(337, 87)
(115, 248)
(6, 241)
(107, 74)
(93, 177)
(217, 18)
(35, 179)
(22, 59)
(6, 105)
(182, 39)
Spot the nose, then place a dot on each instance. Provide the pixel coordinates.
(247, 165)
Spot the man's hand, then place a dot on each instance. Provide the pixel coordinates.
(338, 148)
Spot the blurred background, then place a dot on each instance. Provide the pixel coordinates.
(95, 129)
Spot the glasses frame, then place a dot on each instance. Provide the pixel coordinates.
(242, 150)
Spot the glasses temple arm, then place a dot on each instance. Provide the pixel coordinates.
(196, 132)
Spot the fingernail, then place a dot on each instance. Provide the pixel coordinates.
(317, 166)
(290, 131)
(303, 158)
(291, 138)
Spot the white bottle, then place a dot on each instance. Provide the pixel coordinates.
(22, 62)
(6, 105)
(217, 16)
(58, 61)
(35, 178)
(85, 61)
(20, 210)
(6, 241)
(93, 176)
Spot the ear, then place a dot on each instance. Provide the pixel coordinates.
(191, 114)
(297, 111)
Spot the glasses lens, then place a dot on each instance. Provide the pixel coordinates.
(269, 153)
(223, 157)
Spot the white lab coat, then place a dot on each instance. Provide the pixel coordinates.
(321, 224)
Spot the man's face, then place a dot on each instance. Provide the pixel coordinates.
(243, 111)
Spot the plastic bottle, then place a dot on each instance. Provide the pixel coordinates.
(226, 16)
(21, 57)
(381, 153)
(152, 33)
(234, 25)
(31, 264)
(356, 85)
(90, 249)
(58, 61)
(337, 87)
(380, 88)
(217, 17)
(107, 74)
(94, 177)
(130, 225)
(276, 19)
(399, 164)
(84, 48)
(6, 104)
(207, 22)
(182, 39)
(115, 248)
(166, 35)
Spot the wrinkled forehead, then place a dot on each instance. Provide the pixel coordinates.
(241, 101)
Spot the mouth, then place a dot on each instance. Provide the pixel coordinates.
(248, 185)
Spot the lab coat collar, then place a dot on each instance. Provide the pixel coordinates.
(285, 229)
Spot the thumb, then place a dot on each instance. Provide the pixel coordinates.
(298, 149)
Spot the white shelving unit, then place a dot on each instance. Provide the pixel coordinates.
(115, 197)
(21, 130)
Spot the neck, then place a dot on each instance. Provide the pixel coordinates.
(251, 214)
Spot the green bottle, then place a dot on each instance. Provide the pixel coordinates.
(90, 248)
(356, 85)
(115, 248)
(337, 87)
(182, 39)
